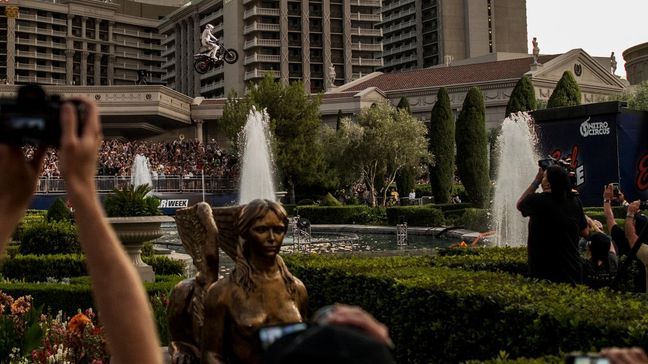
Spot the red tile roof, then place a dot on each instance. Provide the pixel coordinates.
(453, 75)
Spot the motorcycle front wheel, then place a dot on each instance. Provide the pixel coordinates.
(201, 66)
(231, 56)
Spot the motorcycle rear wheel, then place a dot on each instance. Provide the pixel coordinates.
(201, 66)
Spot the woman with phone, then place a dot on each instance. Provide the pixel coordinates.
(259, 292)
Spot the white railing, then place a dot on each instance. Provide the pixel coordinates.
(41, 80)
(366, 47)
(261, 27)
(48, 56)
(105, 184)
(262, 58)
(395, 4)
(366, 17)
(256, 10)
(399, 26)
(213, 16)
(256, 42)
(257, 73)
(367, 32)
(402, 48)
(38, 67)
(367, 62)
(398, 38)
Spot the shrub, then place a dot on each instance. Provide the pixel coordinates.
(475, 219)
(56, 237)
(31, 217)
(423, 190)
(330, 200)
(566, 93)
(522, 98)
(58, 211)
(164, 266)
(415, 216)
(357, 214)
(306, 202)
(131, 201)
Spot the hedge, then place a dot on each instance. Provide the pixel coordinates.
(37, 268)
(415, 216)
(54, 237)
(353, 214)
(438, 314)
(31, 217)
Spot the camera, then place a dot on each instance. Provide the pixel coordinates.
(581, 358)
(643, 205)
(615, 189)
(33, 117)
(270, 334)
(546, 163)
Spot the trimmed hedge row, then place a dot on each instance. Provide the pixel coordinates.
(37, 268)
(351, 214)
(438, 314)
(415, 216)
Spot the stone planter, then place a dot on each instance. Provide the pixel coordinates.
(133, 232)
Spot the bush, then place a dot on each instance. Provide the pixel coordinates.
(438, 314)
(423, 190)
(131, 201)
(415, 216)
(31, 217)
(330, 200)
(164, 266)
(475, 219)
(58, 211)
(306, 202)
(356, 214)
(55, 237)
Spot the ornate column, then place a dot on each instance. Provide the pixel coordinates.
(11, 12)
(180, 71)
(177, 55)
(111, 51)
(83, 26)
(70, 17)
(69, 66)
(188, 56)
(283, 33)
(97, 63)
(199, 129)
(306, 70)
(84, 67)
(348, 67)
(326, 46)
(196, 46)
(97, 28)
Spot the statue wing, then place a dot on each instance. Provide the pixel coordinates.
(227, 221)
(198, 233)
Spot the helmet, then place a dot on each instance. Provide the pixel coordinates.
(209, 26)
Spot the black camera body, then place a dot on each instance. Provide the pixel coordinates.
(33, 118)
(643, 205)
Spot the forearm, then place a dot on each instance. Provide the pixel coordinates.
(609, 216)
(118, 292)
(10, 217)
(531, 189)
(630, 232)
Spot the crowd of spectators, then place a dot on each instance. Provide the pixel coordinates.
(172, 158)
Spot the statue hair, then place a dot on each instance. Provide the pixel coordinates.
(242, 273)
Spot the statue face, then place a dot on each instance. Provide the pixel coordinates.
(266, 235)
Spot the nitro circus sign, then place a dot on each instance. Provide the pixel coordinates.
(174, 204)
(595, 128)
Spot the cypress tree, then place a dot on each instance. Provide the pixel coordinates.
(403, 104)
(472, 150)
(339, 120)
(442, 147)
(406, 177)
(566, 93)
(522, 98)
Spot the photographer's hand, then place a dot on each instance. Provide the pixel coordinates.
(17, 185)
(625, 355)
(357, 317)
(608, 194)
(117, 289)
(630, 231)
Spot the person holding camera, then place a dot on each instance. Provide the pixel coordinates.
(118, 292)
(556, 221)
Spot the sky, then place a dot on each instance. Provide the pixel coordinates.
(597, 26)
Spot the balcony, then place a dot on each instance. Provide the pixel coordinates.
(139, 56)
(43, 19)
(213, 73)
(257, 73)
(256, 10)
(266, 58)
(257, 42)
(366, 17)
(168, 64)
(211, 17)
(256, 27)
(139, 45)
(168, 39)
(399, 26)
(401, 49)
(52, 32)
(397, 61)
(167, 51)
(125, 77)
(372, 3)
(373, 62)
(168, 75)
(401, 14)
(395, 4)
(40, 43)
(136, 33)
(366, 47)
(40, 80)
(39, 67)
(398, 38)
(48, 56)
(212, 86)
(367, 32)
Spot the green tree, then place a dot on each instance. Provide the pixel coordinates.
(493, 134)
(339, 120)
(295, 125)
(442, 146)
(566, 93)
(404, 104)
(472, 150)
(235, 113)
(382, 141)
(638, 98)
(522, 98)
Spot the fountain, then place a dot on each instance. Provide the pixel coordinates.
(518, 166)
(140, 171)
(256, 169)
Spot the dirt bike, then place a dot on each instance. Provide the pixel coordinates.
(203, 62)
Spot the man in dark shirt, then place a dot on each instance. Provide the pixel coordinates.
(556, 222)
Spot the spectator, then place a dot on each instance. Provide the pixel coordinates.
(601, 267)
(636, 231)
(556, 222)
(117, 289)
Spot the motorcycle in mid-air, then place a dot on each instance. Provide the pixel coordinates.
(203, 62)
